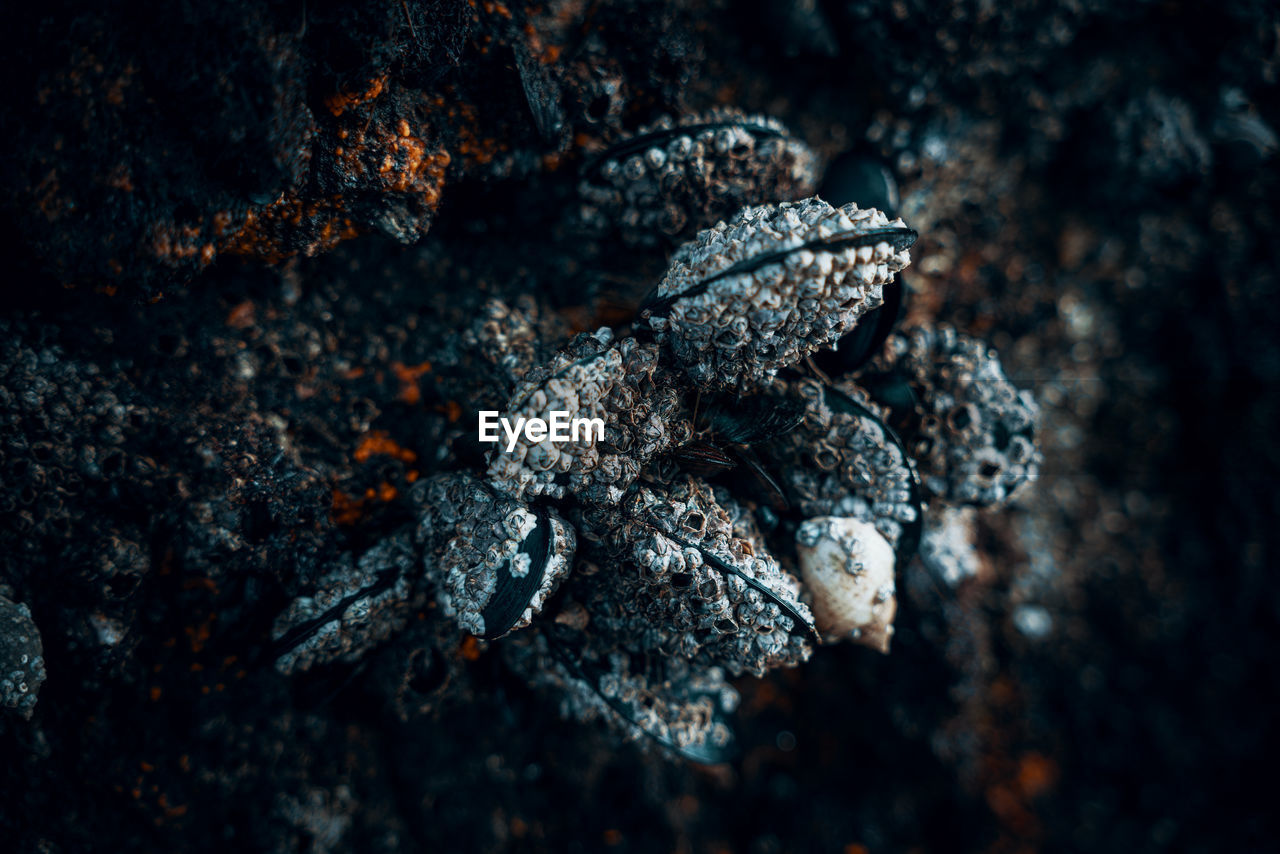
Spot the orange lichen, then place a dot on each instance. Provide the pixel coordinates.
(343, 101)
(408, 376)
(474, 149)
(349, 510)
(1036, 774)
(262, 235)
(380, 443)
(199, 635)
(451, 410)
(469, 648)
(120, 178)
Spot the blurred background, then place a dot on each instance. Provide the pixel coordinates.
(236, 235)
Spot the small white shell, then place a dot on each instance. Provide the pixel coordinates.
(847, 566)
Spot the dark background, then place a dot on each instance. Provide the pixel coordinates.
(213, 293)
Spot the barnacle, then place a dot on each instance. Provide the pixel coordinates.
(764, 290)
(357, 605)
(509, 337)
(976, 430)
(671, 702)
(693, 586)
(843, 460)
(22, 669)
(624, 385)
(495, 559)
(676, 176)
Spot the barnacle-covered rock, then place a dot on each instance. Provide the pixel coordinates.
(777, 282)
(622, 384)
(690, 586)
(509, 337)
(843, 460)
(359, 604)
(495, 559)
(847, 569)
(673, 177)
(21, 658)
(680, 705)
(977, 431)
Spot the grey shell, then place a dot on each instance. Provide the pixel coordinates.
(22, 669)
(977, 428)
(677, 704)
(357, 605)
(735, 330)
(622, 384)
(838, 463)
(666, 596)
(674, 177)
(476, 544)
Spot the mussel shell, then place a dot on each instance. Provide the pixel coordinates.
(909, 541)
(863, 180)
(512, 595)
(867, 338)
(636, 144)
(899, 237)
(590, 674)
(711, 559)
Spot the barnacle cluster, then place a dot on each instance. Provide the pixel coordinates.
(762, 291)
(495, 559)
(976, 443)
(358, 604)
(639, 568)
(843, 460)
(696, 587)
(22, 670)
(625, 386)
(675, 176)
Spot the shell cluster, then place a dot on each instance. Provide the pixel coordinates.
(671, 703)
(622, 384)
(356, 606)
(673, 543)
(676, 176)
(22, 669)
(776, 283)
(483, 547)
(842, 460)
(639, 566)
(976, 429)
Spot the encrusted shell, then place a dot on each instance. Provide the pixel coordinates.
(847, 568)
(676, 176)
(977, 429)
(357, 605)
(762, 291)
(623, 385)
(842, 461)
(500, 559)
(22, 670)
(693, 586)
(680, 705)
